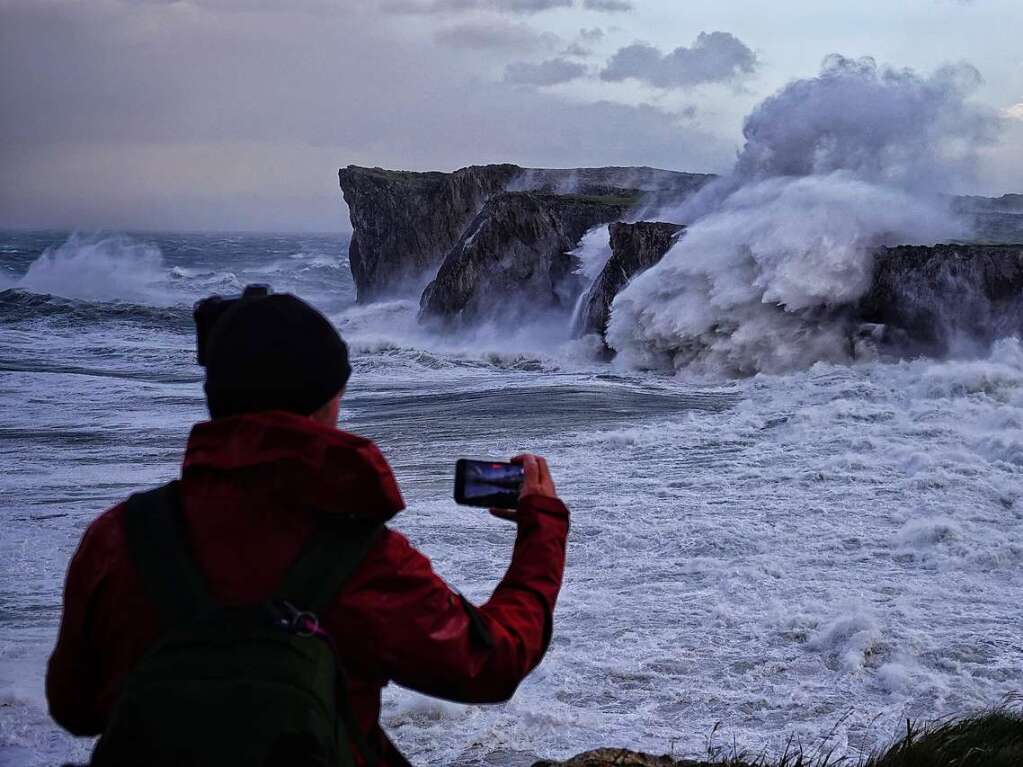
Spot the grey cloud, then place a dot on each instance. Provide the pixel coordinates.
(608, 6)
(544, 73)
(162, 119)
(324, 7)
(714, 57)
(440, 7)
(577, 50)
(580, 47)
(494, 35)
(531, 6)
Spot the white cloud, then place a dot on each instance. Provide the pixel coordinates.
(1015, 112)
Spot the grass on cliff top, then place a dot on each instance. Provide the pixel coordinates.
(993, 739)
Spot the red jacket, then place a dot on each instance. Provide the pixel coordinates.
(250, 489)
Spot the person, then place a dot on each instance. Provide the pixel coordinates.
(255, 481)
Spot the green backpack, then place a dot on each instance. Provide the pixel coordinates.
(255, 685)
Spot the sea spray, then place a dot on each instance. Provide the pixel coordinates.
(98, 268)
(833, 168)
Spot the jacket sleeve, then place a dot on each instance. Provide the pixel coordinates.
(72, 676)
(431, 639)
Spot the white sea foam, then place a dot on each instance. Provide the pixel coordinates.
(820, 554)
(832, 168)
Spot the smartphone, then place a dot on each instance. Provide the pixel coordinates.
(490, 484)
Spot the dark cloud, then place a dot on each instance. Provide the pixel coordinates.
(484, 35)
(715, 57)
(608, 6)
(544, 73)
(430, 7)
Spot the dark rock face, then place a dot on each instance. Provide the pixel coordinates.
(946, 298)
(634, 249)
(514, 257)
(404, 224)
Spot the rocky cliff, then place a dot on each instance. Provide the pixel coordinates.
(634, 248)
(515, 257)
(945, 298)
(404, 224)
(993, 219)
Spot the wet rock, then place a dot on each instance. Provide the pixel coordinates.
(620, 757)
(404, 223)
(938, 299)
(634, 249)
(514, 259)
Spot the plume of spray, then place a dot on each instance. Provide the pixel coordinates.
(833, 167)
(99, 268)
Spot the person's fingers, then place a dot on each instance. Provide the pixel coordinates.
(508, 514)
(531, 471)
(546, 480)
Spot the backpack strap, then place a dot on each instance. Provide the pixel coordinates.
(334, 550)
(156, 541)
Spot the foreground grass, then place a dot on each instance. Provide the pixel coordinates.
(994, 739)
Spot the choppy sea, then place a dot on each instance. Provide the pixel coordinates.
(815, 556)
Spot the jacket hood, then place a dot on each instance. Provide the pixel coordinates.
(329, 470)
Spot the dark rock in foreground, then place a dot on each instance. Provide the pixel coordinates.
(994, 739)
(515, 257)
(404, 223)
(946, 298)
(621, 757)
(634, 249)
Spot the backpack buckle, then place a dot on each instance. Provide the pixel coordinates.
(306, 624)
(301, 623)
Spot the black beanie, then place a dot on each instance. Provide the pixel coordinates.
(273, 353)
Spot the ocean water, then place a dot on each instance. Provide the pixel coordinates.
(816, 555)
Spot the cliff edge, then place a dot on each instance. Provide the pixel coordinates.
(405, 223)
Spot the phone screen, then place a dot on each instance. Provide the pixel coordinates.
(491, 484)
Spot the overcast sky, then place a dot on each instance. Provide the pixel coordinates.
(236, 114)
